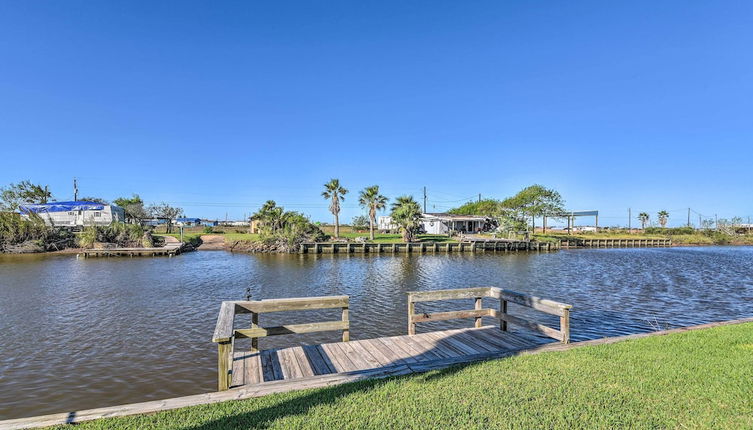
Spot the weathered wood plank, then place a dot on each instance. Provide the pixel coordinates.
(543, 305)
(267, 368)
(386, 351)
(319, 363)
(223, 331)
(377, 353)
(460, 293)
(553, 333)
(367, 355)
(291, 304)
(338, 358)
(292, 328)
(303, 362)
(400, 351)
(441, 316)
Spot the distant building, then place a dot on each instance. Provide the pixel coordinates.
(443, 223)
(75, 214)
(187, 222)
(209, 223)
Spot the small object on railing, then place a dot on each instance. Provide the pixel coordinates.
(248, 294)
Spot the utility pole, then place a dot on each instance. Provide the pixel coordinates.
(75, 190)
(716, 222)
(688, 217)
(700, 222)
(479, 197)
(424, 199)
(46, 192)
(630, 220)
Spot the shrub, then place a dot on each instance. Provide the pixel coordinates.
(208, 230)
(118, 234)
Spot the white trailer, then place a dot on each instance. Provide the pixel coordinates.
(75, 214)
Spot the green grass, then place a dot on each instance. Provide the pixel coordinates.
(698, 379)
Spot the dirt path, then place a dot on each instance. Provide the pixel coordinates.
(210, 242)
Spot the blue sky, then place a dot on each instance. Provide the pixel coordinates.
(219, 106)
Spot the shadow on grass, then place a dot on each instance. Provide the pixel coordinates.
(301, 405)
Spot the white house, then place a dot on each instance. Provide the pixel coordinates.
(442, 223)
(75, 214)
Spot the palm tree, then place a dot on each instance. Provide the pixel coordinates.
(371, 199)
(401, 201)
(643, 218)
(270, 217)
(334, 192)
(663, 216)
(406, 213)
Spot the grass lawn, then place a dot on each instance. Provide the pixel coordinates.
(697, 379)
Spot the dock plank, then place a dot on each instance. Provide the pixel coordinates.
(307, 361)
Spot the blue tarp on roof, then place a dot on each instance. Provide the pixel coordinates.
(62, 207)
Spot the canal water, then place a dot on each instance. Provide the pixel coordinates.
(77, 334)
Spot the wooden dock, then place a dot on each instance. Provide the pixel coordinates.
(615, 243)
(499, 245)
(380, 355)
(172, 247)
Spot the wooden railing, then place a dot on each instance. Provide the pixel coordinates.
(225, 333)
(478, 312)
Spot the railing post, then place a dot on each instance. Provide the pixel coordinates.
(565, 325)
(411, 311)
(346, 332)
(224, 349)
(478, 303)
(254, 324)
(502, 311)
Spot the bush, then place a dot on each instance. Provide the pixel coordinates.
(15, 229)
(208, 230)
(119, 234)
(670, 231)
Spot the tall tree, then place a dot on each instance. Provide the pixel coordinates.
(133, 206)
(663, 218)
(24, 192)
(335, 193)
(643, 217)
(536, 201)
(166, 212)
(406, 214)
(371, 199)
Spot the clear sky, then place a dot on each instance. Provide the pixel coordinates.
(219, 106)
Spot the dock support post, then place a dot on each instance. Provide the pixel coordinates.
(346, 332)
(477, 306)
(223, 365)
(254, 324)
(502, 310)
(411, 311)
(565, 325)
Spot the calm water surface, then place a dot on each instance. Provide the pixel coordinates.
(78, 334)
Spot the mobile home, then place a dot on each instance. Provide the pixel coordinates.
(75, 214)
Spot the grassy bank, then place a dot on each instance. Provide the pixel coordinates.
(681, 236)
(697, 379)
